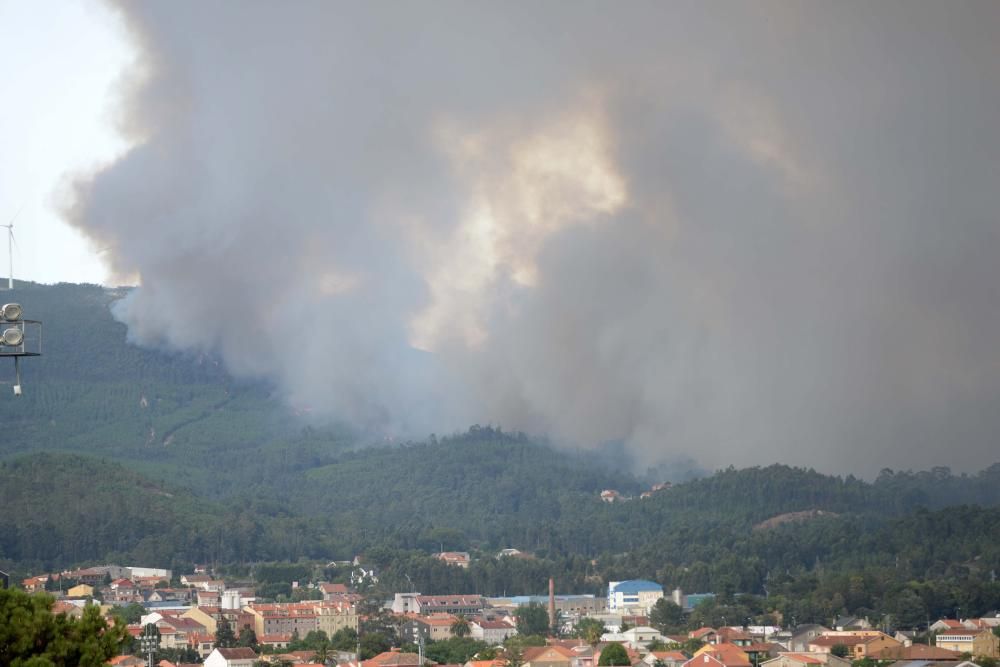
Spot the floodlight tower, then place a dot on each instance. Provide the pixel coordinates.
(18, 338)
(149, 642)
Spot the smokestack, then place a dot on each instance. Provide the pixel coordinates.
(552, 604)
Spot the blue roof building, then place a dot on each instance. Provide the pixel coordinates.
(633, 596)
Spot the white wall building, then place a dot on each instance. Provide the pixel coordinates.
(633, 596)
(231, 657)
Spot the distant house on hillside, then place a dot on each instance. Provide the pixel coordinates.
(852, 623)
(456, 558)
(80, 591)
(331, 591)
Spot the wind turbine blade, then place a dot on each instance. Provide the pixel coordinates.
(19, 209)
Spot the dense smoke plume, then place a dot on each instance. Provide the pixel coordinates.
(743, 232)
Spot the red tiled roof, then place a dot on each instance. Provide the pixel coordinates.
(758, 647)
(437, 619)
(239, 653)
(730, 655)
(824, 640)
(62, 607)
(916, 652)
(804, 658)
(669, 655)
(395, 659)
(333, 588)
(487, 663)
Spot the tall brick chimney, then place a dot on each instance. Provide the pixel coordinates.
(552, 604)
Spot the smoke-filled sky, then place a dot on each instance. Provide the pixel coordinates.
(740, 232)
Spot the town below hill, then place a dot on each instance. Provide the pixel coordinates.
(206, 617)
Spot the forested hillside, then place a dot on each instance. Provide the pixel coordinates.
(120, 454)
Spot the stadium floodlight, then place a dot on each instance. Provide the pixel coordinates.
(11, 312)
(149, 642)
(18, 338)
(12, 337)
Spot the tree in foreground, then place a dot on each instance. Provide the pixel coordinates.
(248, 637)
(667, 616)
(31, 634)
(460, 628)
(454, 650)
(224, 635)
(614, 654)
(345, 639)
(532, 619)
(590, 629)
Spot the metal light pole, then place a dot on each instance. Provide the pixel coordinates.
(149, 642)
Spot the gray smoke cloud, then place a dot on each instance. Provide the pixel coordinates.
(741, 232)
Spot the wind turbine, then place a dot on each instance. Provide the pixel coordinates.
(10, 250)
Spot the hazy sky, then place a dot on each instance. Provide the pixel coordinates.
(741, 232)
(59, 62)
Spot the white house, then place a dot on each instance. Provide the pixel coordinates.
(634, 638)
(493, 633)
(231, 657)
